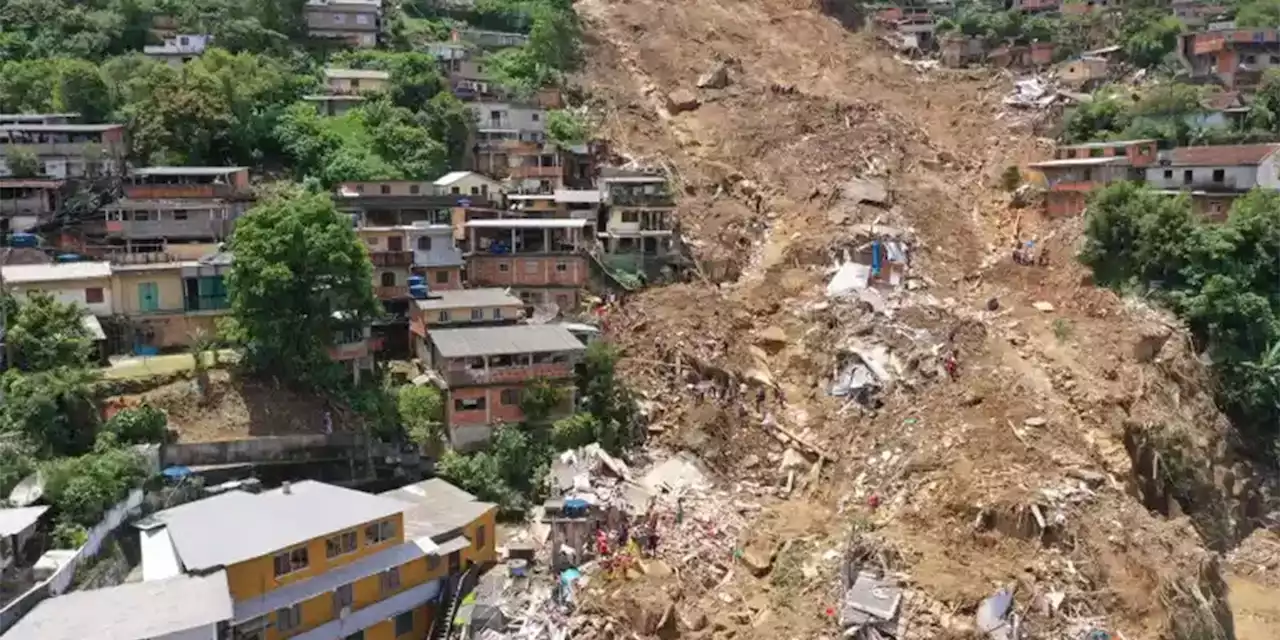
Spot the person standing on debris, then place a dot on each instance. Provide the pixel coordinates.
(602, 543)
(951, 365)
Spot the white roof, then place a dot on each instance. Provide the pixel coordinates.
(15, 521)
(56, 272)
(449, 179)
(132, 611)
(362, 74)
(236, 526)
(528, 223)
(578, 196)
(1076, 162)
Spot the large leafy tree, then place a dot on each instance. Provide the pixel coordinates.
(301, 276)
(46, 334)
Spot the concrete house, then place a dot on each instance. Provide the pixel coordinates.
(541, 260)
(1089, 69)
(177, 204)
(403, 202)
(85, 284)
(489, 39)
(1234, 58)
(1197, 13)
(459, 309)
(356, 23)
(505, 131)
(641, 213)
(1215, 176)
(312, 561)
(27, 203)
(345, 89)
(483, 372)
(468, 183)
(1078, 169)
(179, 49)
(398, 252)
(67, 150)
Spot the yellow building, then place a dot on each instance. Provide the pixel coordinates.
(160, 310)
(312, 561)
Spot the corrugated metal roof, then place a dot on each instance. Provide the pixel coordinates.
(130, 611)
(15, 521)
(58, 272)
(528, 223)
(490, 341)
(462, 298)
(1221, 155)
(186, 171)
(236, 526)
(437, 508)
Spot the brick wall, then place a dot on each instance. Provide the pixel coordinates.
(541, 271)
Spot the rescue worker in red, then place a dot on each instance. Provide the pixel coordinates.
(952, 367)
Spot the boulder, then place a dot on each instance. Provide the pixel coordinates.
(758, 561)
(681, 100)
(716, 78)
(1152, 341)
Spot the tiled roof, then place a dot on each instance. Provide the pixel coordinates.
(1221, 156)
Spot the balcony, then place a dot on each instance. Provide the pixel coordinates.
(207, 227)
(392, 258)
(391, 293)
(633, 199)
(465, 377)
(181, 191)
(529, 172)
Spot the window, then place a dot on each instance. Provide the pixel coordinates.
(511, 397)
(475, 191)
(1250, 59)
(384, 189)
(630, 217)
(480, 541)
(1275, 59)
(424, 243)
(388, 279)
(562, 266)
(1186, 176)
(183, 40)
(468, 404)
(340, 544)
(390, 579)
(504, 267)
(362, 18)
(93, 295)
(414, 189)
(531, 266)
(1219, 175)
(497, 314)
(379, 532)
(495, 115)
(290, 561)
(454, 191)
(404, 623)
(355, 83)
(148, 296)
(443, 316)
(1168, 174)
(180, 215)
(289, 618)
(141, 216)
(342, 598)
(359, 188)
(442, 277)
(477, 314)
(534, 116)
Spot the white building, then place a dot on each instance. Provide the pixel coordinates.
(86, 284)
(179, 49)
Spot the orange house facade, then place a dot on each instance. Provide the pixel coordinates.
(1077, 170)
(541, 260)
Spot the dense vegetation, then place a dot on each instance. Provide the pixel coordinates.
(1220, 278)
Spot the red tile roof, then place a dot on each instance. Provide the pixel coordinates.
(1221, 156)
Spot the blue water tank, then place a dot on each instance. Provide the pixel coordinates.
(24, 240)
(419, 292)
(416, 281)
(67, 257)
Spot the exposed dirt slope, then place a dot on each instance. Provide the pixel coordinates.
(1064, 457)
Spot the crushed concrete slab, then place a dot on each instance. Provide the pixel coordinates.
(679, 473)
(716, 78)
(865, 190)
(1043, 306)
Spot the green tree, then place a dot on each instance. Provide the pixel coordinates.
(1097, 119)
(539, 399)
(301, 277)
(421, 409)
(566, 128)
(23, 162)
(1258, 13)
(606, 398)
(577, 430)
(84, 488)
(1156, 39)
(46, 334)
(142, 424)
(53, 410)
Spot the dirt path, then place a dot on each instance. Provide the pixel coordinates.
(1017, 474)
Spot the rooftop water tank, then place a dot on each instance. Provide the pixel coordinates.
(24, 240)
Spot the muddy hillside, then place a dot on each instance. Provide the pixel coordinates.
(968, 426)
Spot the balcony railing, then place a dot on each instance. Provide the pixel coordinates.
(512, 374)
(523, 171)
(626, 199)
(181, 191)
(392, 258)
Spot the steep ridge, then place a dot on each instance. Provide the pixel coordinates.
(1078, 452)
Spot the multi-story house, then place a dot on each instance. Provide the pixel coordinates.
(641, 213)
(67, 150)
(506, 135)
(27, 203)
(1215, 176)
(1234, 58)
(179, 49)
(541, 260)
(1198, 13)
(177, 204)
(483, 372)
(345, 89)
(402, 202)
(459, 309)
(464, 67)
(1076, 170)
(356, 23)
(355, 346)
(308, 561)
(164, 305)
(398, 252)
